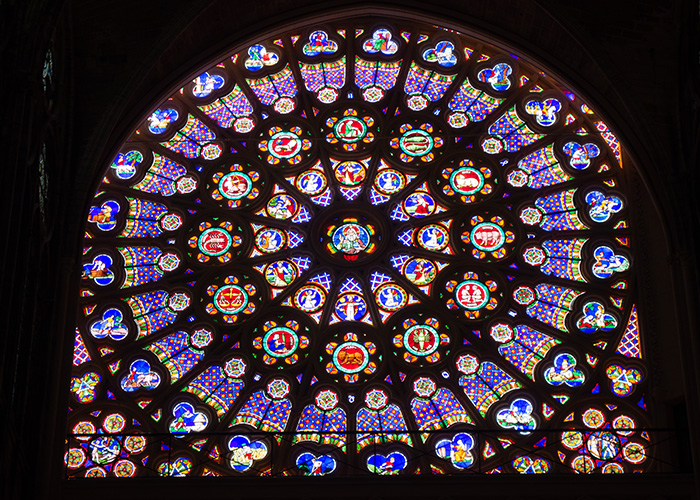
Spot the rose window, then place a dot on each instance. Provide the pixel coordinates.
(361, 249)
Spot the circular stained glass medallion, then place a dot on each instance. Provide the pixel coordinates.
(472, 294)
(350, 129)
(214, 241)
(280, 342)
(235, 185)
(285, 145)
(389, 181)
(488, 236)
(416, 142)
(350, 238)
(466, 180)
(230, 299)
(351, 357)
(421, 340)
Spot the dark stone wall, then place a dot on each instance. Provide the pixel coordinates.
(635, 61)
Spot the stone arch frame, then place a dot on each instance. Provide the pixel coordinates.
(623, 135)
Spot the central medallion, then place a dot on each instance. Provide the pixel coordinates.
(349, 236)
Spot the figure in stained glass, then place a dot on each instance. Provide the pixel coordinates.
(595, 318)
(99, 270)
(580, 154)
(140, 375)
(235, 185)
(607, 262)
(420, 271)
(161, 119)
(187, 419)
(419, 204)
(472, 294)
(311, 182)
(104, 450)
(351, 238)
(110, 326)
(319, 43)
(433, 237)
(124, 165)
(545, 112)
(602, 207)
(310, 298)
(280, 273)
(391, 464)
(270, 240)
(206, 83)
(390, 181)
(457, 450)
(312, 465)
(350, 173)
(104, 216)
(245, 453)
(442, 53)
(517, 416)
(391, 297)
(259, 57)
(564, 371)
(381, 41)
(497, 76)
(282, 206)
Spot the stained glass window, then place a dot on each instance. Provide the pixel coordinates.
(361, 248)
